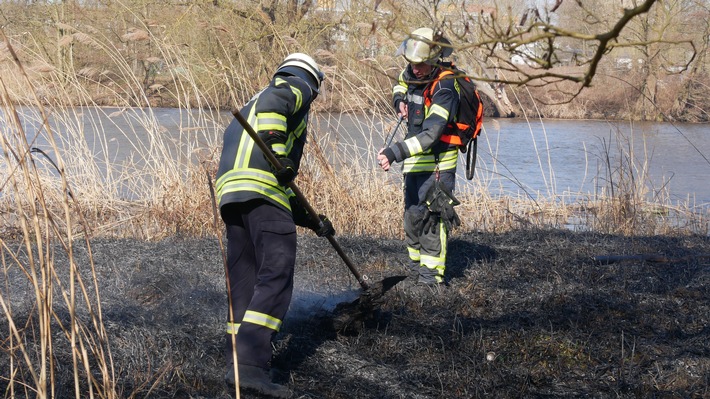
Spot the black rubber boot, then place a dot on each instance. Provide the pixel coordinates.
(256, 379)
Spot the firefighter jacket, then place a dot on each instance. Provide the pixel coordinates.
(244, 172)
(422, 149)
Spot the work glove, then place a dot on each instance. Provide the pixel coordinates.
(441, 202)
(416, 215)
(324, 227)
(274, 139)
(287, 172)
(431, 224)
(450, 218)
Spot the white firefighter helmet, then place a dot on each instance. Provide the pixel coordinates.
(298, 63)
(424, 45)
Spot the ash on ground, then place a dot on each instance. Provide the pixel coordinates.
(526, 314)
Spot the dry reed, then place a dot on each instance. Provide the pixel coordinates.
(161, 189)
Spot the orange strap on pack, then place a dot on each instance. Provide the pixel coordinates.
(452, 139)
(429, 90)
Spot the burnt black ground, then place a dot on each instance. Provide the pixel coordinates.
(527, 314)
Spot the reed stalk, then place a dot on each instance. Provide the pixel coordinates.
(59, 181)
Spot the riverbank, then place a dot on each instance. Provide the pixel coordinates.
(528, 313)
(187, 56)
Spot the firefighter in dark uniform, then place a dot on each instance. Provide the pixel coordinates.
(260, 213)
(427, 154)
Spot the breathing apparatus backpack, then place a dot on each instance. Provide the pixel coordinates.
(469, 117)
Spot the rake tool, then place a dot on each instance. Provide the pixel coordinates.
(372, 294)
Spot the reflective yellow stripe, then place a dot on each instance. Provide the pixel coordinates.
(433, 262)
(246, 144)
(254, 180)
(443, 239)
(413, 254)
(262, 319)
(271, 121)
(447, 164)
(259, 175)
(298, 132)
(401, 86)
(295, 135)
(427, 163)
(296, 92)
(415, 98)
(243, 152)
(232, 328)
(437, 109)
(413, 145)
(255, 188)
(299, 98)
(279, 149)
(438, 263)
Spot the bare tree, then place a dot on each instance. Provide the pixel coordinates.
(537, 41)
(561, 46)
(693, 96)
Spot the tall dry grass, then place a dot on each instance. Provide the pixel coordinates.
(59, 180)
(64, 312)
(160, 189)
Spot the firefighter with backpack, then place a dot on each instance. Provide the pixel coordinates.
(429, 152)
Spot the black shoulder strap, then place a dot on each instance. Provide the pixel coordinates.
(471, 154)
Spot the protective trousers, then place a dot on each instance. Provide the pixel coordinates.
(261, 255)
(427, 250)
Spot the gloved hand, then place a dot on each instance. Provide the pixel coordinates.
(274, 139)
(324, 228)
(287, 172)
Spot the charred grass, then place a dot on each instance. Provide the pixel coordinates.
(526, 314)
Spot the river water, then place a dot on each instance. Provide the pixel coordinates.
(516, 157)
(573, 158)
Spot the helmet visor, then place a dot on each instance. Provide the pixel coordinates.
(417, 51)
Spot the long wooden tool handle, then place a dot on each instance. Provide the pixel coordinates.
(301, 198)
